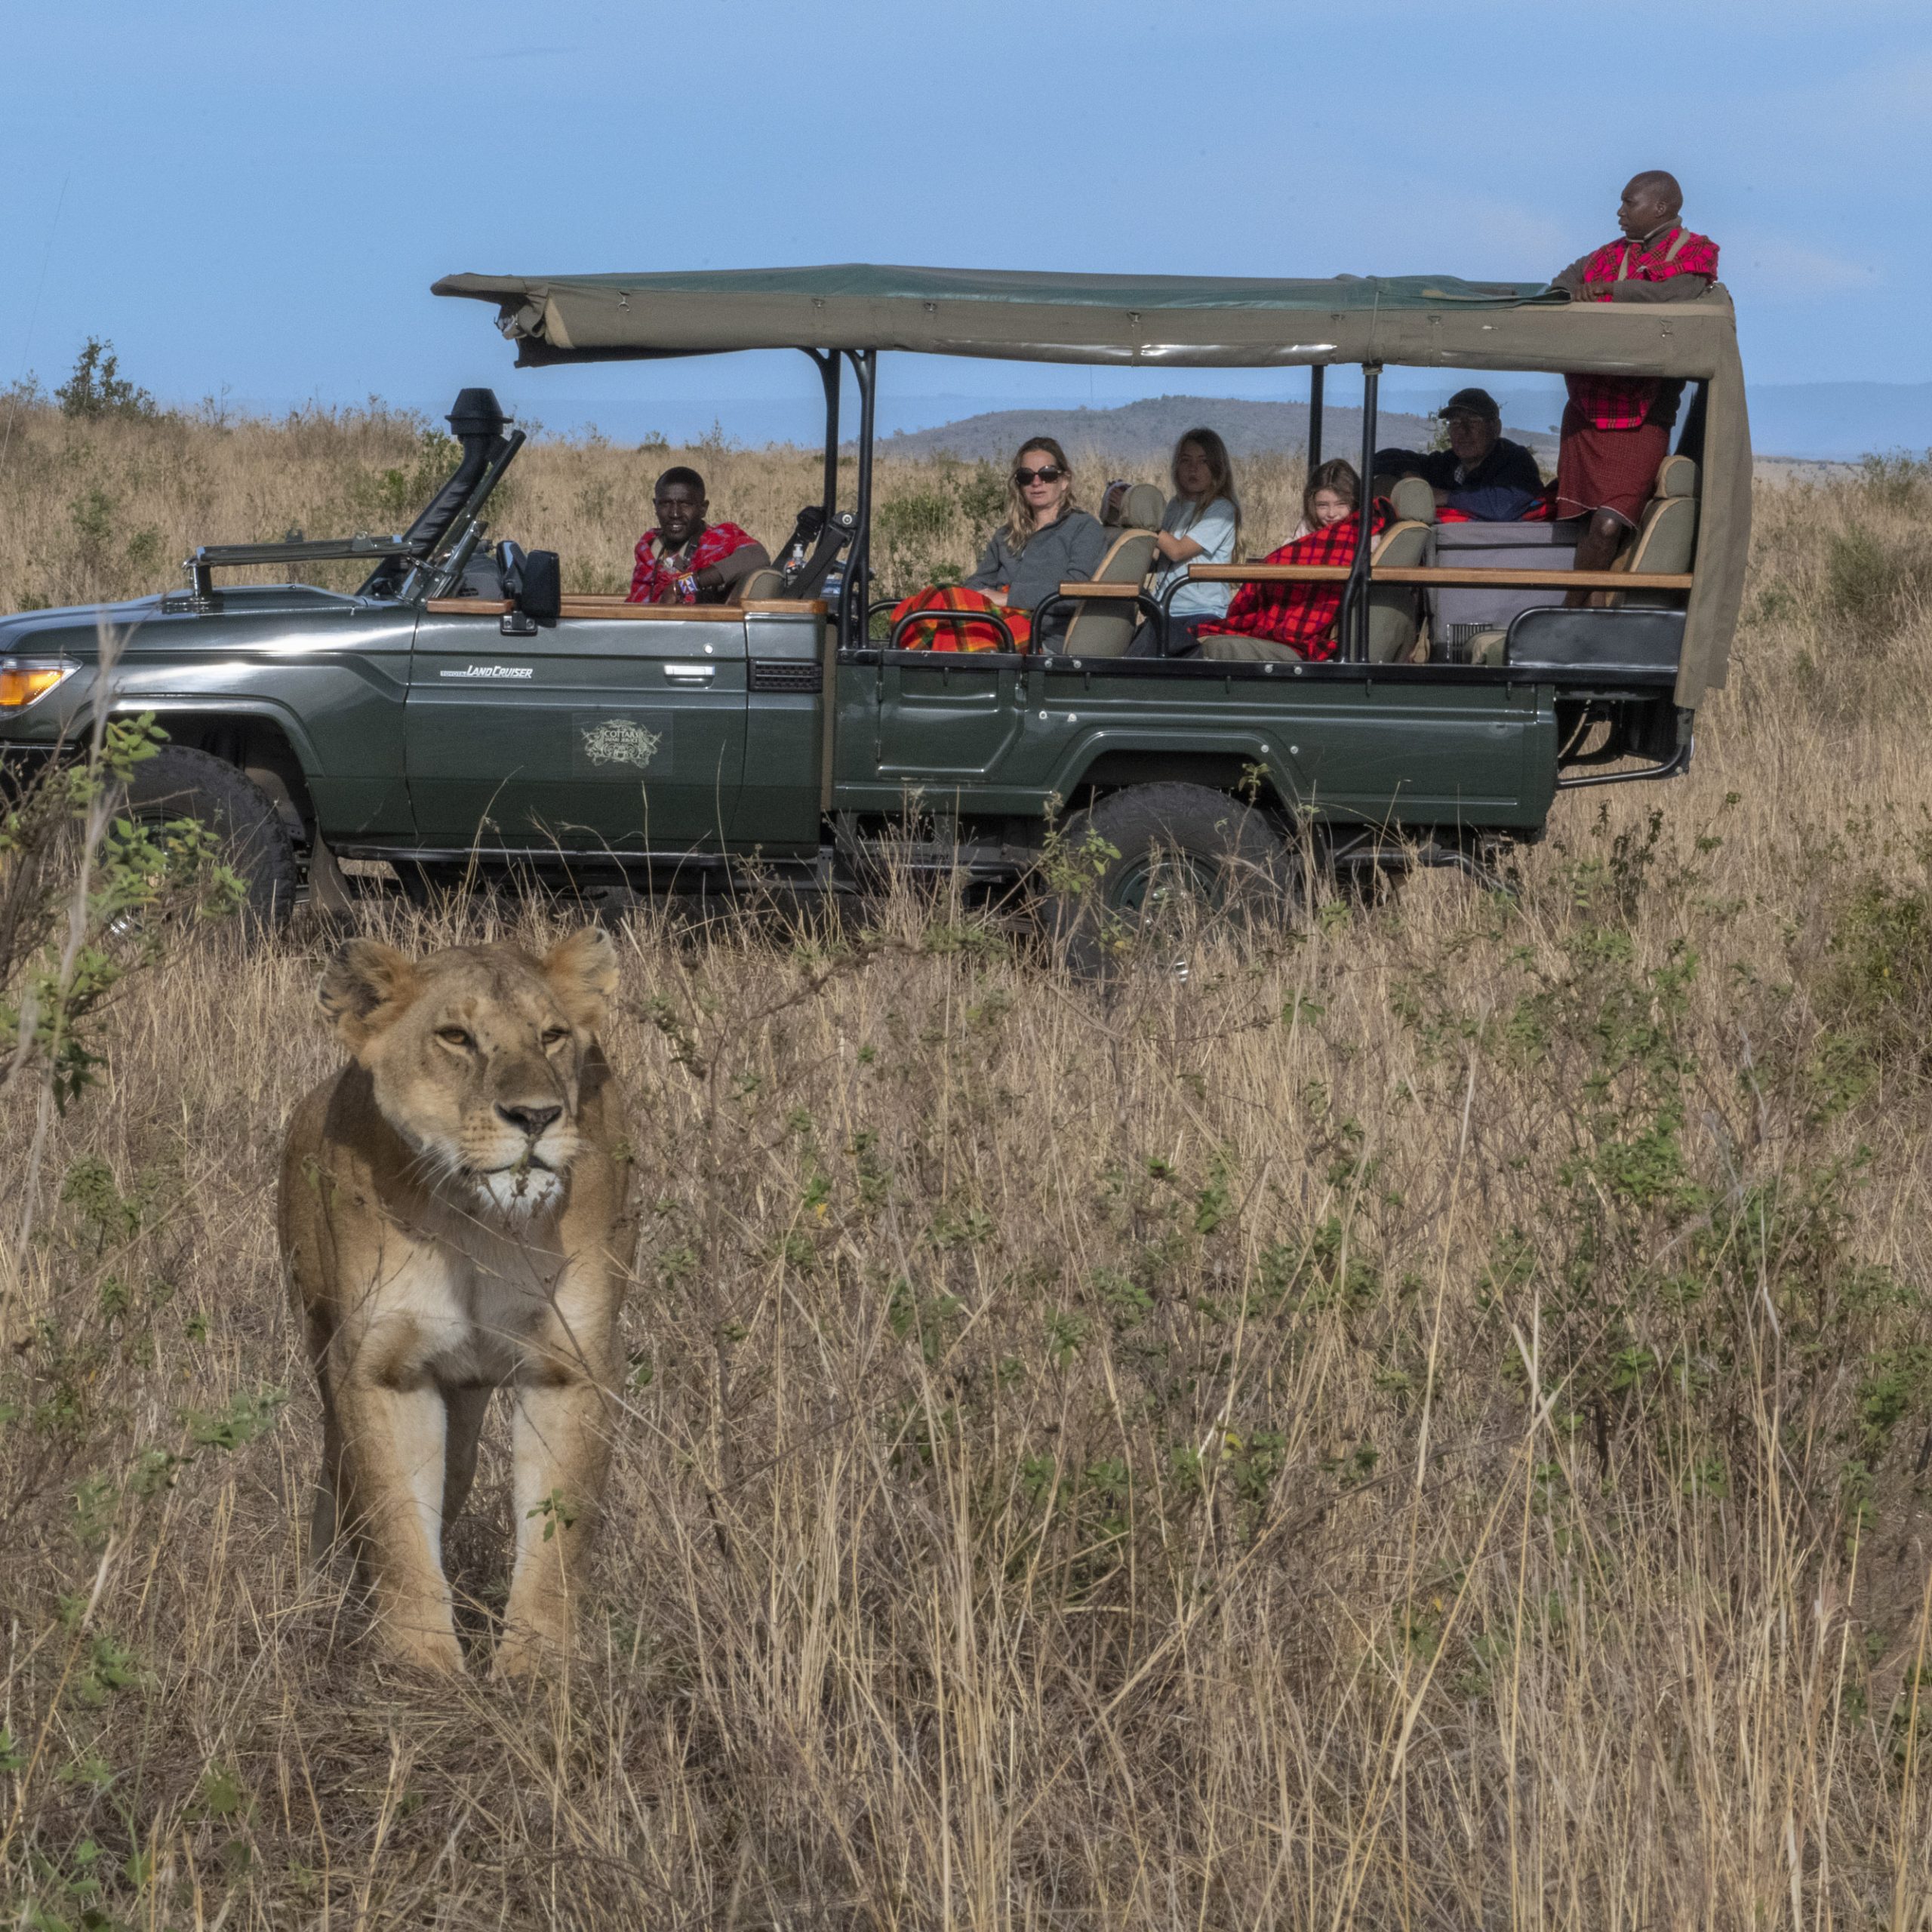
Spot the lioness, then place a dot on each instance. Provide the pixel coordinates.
(450, 1216)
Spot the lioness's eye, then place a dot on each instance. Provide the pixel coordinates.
(454, 1036)
(552, 1035)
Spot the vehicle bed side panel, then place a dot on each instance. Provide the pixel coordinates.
(1006, 737)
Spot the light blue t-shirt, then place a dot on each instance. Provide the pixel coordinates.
(1213, 528)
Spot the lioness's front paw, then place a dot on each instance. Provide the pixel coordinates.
(525, 1651)
(430, 1651)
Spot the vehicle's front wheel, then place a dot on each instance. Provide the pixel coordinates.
(250, 838)
(1145, 870)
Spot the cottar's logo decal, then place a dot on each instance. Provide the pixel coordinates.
(620, 741)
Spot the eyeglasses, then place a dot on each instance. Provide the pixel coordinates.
(1048, 472)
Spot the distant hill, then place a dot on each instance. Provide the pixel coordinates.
(1839, 420)
(1149, 429)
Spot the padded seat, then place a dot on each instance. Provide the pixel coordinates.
(759, 584)
(1395, 611)
(1104, 628)
(1666, 540)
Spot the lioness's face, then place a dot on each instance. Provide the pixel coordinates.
(477, 1054)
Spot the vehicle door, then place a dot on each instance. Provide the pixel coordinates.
(938, 718)
(619, 727)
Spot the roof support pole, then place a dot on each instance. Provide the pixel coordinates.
(856, 592)
(1318, 373)
(828, 374)
(1354, 597)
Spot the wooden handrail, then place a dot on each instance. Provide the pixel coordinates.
(608, 607)
(1437, 573)
(1429, 574)
(1099, 590)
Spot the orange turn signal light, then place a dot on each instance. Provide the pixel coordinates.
(21, 684)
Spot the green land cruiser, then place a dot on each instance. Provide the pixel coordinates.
(459, 717)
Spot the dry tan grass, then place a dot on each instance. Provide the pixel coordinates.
(1423, 1425)
(108, 507)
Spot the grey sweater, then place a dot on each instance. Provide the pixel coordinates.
(1067, 552)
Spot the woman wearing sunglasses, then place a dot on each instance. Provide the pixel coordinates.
(1046, 540)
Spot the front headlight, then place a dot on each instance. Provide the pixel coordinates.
(25, 680)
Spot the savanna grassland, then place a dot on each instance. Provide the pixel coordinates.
(1425, 1424)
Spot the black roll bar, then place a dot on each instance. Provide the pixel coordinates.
(1354, 592)
(826, 362)
(1318, 374)
(855, 592)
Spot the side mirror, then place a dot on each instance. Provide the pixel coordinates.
(509, 568)
(540, 591)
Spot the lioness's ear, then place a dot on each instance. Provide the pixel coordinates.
(583, 973)
(364, 988)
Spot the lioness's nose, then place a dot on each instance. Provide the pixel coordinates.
(532, 1120)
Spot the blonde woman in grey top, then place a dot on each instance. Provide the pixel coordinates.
(1047, 539)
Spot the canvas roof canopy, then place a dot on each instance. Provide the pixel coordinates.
(1179, 321)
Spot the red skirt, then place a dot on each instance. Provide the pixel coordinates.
(956, 634)
(1607, 469)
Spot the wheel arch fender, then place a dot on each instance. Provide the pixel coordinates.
(1244, 763)
(265, 740)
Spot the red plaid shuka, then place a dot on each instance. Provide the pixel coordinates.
(652, 579)
(955, 635)
(1623, 402)
(1301, 616)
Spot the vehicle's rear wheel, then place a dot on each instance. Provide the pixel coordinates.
(250, 837)
(1146, 870)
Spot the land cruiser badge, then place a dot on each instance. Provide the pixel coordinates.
(620, 741)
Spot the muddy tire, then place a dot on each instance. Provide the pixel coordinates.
(1153, 866)
(179, 782)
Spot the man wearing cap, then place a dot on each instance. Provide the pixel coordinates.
(1616, 428)
(1481, 473)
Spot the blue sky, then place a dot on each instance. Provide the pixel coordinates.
(258, 196)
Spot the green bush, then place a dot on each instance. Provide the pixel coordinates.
(1872, 584)
(1897, 482)
(97, 388)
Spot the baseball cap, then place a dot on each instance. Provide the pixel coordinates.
(1471, 402)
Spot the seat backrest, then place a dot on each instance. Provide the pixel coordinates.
(1393, 608)
(1676, 476)
(1141, 507)
(1412, 500)
(1105, 627)
(760, 583)
(1667, 538)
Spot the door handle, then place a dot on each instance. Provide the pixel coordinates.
(690, 674)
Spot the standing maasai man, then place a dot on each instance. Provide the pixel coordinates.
(1616, 428)
(686, 560)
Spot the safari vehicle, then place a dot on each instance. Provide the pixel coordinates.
(458, 716)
